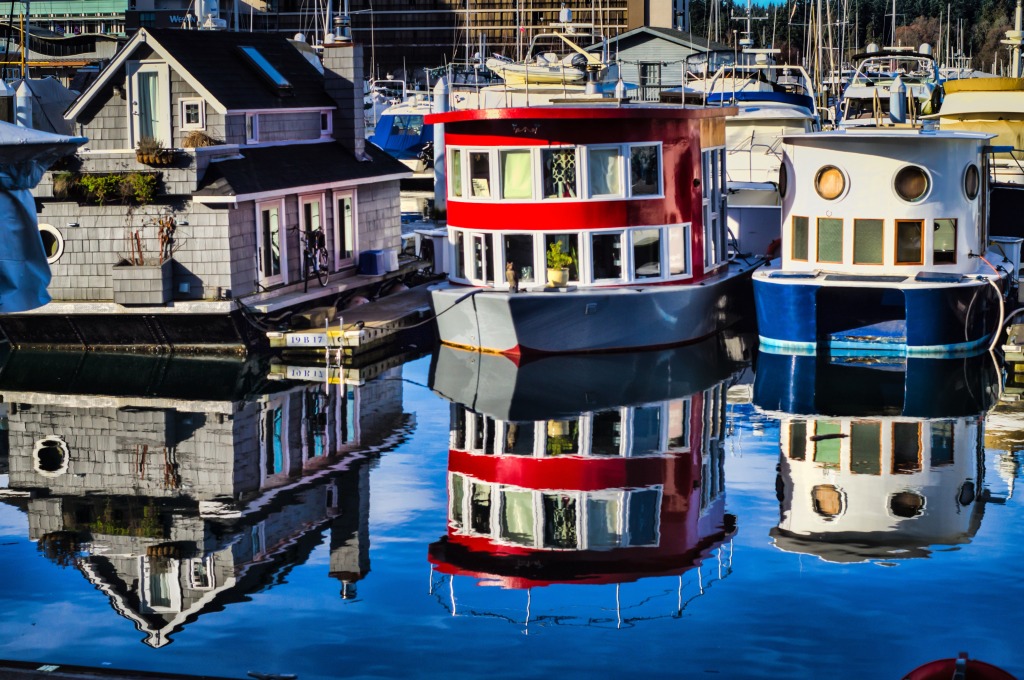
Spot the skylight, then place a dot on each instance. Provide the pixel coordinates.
(265, 67)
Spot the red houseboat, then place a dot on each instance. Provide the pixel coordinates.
(587, 227)
(547, 491)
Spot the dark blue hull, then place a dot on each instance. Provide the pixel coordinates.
(797, 315)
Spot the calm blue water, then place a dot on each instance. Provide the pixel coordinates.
(663, 513)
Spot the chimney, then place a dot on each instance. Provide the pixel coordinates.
(343, 81)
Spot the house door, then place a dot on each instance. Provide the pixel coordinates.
(270, 244)
(149, 102)
(345, 230)
(650, 81)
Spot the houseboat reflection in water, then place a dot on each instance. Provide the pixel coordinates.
(878, 462)
(178, 486)
(600, 470)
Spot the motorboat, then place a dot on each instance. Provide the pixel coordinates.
(891, 85)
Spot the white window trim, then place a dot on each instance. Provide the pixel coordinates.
(252, 128)
(282, 226)
(185, 102)
(628, 178)
(623, 169)
(338, 259)
(327, 131)
(163, 71)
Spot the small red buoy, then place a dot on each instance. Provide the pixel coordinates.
(960, 668)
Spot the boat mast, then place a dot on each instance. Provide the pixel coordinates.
(1015, 38)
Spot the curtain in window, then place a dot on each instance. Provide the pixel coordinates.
(515, 174)
(147, 98)
(517, 517)
(603, 530)
(604, 172)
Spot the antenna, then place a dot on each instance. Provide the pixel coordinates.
(747, 41)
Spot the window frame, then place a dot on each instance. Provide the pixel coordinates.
(807, 238)
(896, 244)
(853, 253)
(183, 104)
(955, 221)
(282, 230)
(842, 243)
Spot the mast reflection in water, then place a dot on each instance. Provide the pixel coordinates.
(178, 486)
(878, 463)
(584, 470)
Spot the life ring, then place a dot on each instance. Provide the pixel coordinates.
(773, 248)
(960, 668)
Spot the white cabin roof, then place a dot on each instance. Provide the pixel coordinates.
(873, 134)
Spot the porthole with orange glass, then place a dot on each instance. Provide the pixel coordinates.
(830, 182)
(912, 183)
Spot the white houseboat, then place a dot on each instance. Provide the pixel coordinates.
(884, 246)
(586, 227)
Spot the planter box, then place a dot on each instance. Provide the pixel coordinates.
(148, 284)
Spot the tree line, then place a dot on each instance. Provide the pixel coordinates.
(981, 23)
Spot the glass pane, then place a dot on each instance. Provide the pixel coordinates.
(606, 437)
(604, 530)
(944, 242)
(455, 509)
(678, 250)
(460, 254)
(559, 173)
(604, 172)
(517, 517)
(606, 255)
(480, 174)
(271, 242)
(519, 438)
(191, 114)
(347, 236)
(644, 170)
(483, 265)
(480, 508)
(798, 441)
(800, 229)
(866, 448)
(311, 212)
(149, 83)
(906, 447)
(826, 448)
(516, 179)
(456, 172)
(679, 424)
(643, 517)
(570, 245)
(646, 253)
(646, 430)
(942, 444)
(519, 251)
(559, 521)
(908, 243)
(830, 239)
(159, 583)
(867, 241)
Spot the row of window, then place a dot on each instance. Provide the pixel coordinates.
(911, 183)
(907, 242)
(598, 257)
(272, 244)
(864, 440)
(564, 172)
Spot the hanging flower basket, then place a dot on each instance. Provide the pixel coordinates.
(161, 158)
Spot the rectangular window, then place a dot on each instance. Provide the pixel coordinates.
(798, 441)
(459, 240)
(516, 177)
(519, 251)
(800, 229)
(606, 433)
(828, 441)
(480, 508)
(483, 268)
(944, 242)
(456, 496)
(570, 244)
(252, 128)
(192, 113)
(606, 256)
(517, 516)
(325, 123)
(644, 170)
(480, 173)
(830, 239)
(678, 249)
(646, 253)
(942, 444)
(559, 520)
(559, 170)
(644, 508)
(604, 523)
(866, 448)
(519, 439)
(605, 172)
(455, 170)
(867, 242)
(270, 241)
(311, 215)
(906, 448)
(909, 249)
(646, 431)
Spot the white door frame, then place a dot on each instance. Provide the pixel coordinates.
(164, 113)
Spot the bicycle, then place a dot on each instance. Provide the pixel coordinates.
(314, 255)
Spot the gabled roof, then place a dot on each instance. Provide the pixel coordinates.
(212, 63)
(688, 40)
(262, 170)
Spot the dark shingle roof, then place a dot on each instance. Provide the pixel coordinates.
(213, 58)
(279, 168)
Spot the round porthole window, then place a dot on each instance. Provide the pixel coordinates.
(912, 183)
(827, 500)
(53, 242)
(906, 504)
(972, 181)
(830, 183)
(51, 456)
(783, 180)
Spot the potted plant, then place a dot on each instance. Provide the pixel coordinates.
(558, 265)
(151, 151)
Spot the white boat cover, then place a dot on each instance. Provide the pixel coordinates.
(25, 154)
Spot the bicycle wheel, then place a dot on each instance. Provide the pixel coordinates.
(322, 269)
